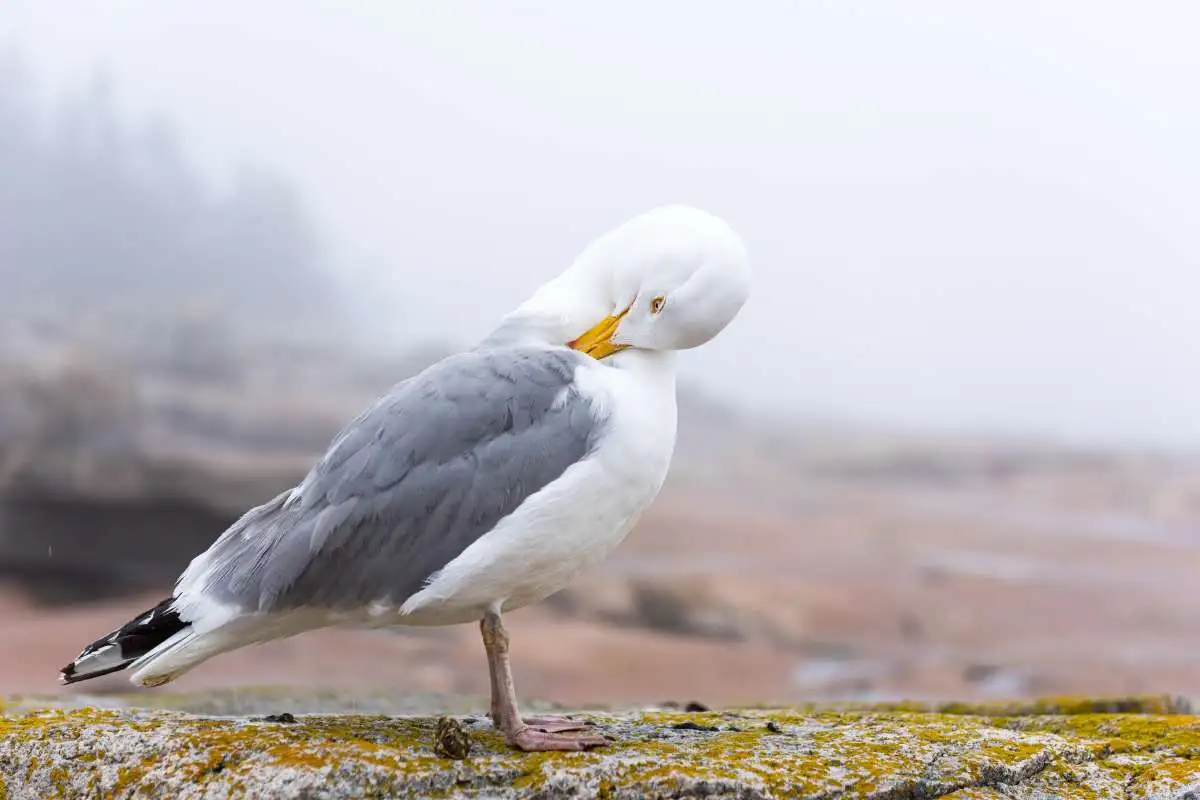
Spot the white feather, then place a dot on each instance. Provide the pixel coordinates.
(577, 519)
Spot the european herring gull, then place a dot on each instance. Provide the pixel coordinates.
(480, 485)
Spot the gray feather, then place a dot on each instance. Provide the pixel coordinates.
(410, 484)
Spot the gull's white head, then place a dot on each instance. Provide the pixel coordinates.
(669, 279)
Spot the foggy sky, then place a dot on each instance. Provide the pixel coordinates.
(959, 215)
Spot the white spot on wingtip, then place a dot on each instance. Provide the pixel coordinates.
(99, 660)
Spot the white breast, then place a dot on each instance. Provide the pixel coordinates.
(576, 520)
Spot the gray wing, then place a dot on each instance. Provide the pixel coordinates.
(410, 484)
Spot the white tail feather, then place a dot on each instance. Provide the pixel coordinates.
(176, 656)
(189, 648)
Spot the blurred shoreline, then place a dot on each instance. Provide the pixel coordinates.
(791, 563)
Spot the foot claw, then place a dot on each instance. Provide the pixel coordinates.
(532, 739)
(556, 724)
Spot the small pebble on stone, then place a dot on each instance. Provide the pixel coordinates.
(286, 718)
(692, 726)
(451, 739)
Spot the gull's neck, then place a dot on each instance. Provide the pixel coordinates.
(564, 308)
(559, 311)
(655, 368)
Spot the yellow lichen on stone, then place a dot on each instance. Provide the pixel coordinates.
(1123, 733)
(1064, 705)
(795, 752)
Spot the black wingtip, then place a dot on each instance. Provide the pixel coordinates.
(128, 643)
(67, 675)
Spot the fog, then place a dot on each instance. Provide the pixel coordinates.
(961, 217)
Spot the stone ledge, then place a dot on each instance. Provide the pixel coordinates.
(1137, 748)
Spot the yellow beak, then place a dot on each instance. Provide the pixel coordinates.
(597, 341)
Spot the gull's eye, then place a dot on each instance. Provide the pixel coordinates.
(656, 305)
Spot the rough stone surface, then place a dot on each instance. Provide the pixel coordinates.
(1131, 749)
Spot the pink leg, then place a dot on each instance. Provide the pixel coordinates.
(549, 724)
(493, 669)
(523, 734)
(543, 723)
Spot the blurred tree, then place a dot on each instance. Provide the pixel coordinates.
(98, 217)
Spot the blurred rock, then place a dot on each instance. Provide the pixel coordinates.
(703, 606)
(686, 609)
(123, 457)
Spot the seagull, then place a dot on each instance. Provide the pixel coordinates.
(482, 484)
